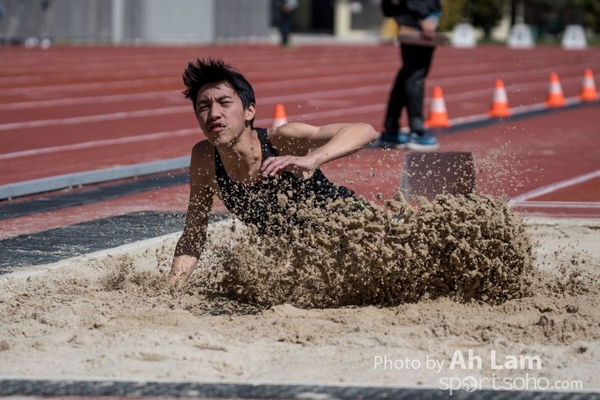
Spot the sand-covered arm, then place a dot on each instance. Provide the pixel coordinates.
(193, 239)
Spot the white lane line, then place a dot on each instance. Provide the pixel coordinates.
(287, 83)
(181, 132)
(81, 87)
(553, 187)
(299, 82)
(361, 90)
(557, 204)
(170, 93)
(124, 83)
(94, 118)
(112, 98)
(136, 247)
(185, 109)
(261, 122)
(467, 77)
(99, 143)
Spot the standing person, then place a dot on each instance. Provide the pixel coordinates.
(253, 169)
(409, 88)
(286, 20)
(3, 35)
(2, 12)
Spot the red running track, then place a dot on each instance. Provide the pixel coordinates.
(70, 110)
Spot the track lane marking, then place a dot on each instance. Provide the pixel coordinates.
(180, 132)
(264, 122)
(558, 204)
(553, 187)
(99, 143)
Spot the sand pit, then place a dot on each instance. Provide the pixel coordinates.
(110, 315)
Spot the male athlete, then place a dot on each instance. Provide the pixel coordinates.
(255, 172)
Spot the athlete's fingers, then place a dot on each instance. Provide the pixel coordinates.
(270, 161)
(274, 165)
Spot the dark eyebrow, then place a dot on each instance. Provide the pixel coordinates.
(219, 99)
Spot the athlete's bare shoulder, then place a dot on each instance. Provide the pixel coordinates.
(202, 149)
(202, 166)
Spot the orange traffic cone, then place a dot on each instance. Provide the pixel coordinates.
(499, 107)
(438, 116)
(588, 88)
(279, 118)
(555, 93)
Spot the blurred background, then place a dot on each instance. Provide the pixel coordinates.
(218, 21)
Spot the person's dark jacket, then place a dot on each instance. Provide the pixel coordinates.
(420, 9)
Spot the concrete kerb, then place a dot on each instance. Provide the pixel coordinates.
(131, 248)
(42, 185)
(256, 390)
(549, 221)
(135, 248)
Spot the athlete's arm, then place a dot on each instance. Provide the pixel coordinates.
(294, 140)
(193, 239)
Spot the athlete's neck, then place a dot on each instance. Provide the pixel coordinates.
(242, 157)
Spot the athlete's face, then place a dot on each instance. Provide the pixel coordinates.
(220, 113)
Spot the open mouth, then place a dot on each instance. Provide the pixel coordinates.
(216, 127)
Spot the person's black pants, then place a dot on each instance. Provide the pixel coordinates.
(409, 89)
(285, 29)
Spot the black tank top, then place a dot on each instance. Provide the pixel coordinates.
(267, 203)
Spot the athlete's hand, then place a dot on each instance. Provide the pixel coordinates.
(182, 268)
(428, 29)
(273, 166)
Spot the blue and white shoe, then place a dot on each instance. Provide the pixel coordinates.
(393, 140)
(424, 142)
